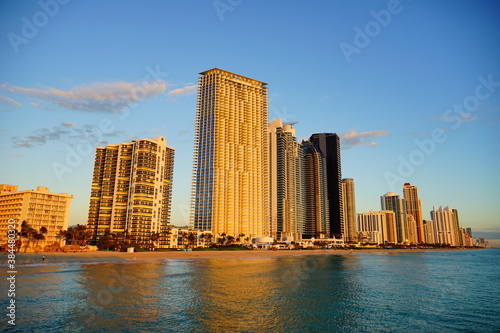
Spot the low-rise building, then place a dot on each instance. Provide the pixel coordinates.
(46, 212)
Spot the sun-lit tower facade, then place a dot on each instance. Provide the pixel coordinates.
(392, 201)
(230, 192)
(286, 185)
(414, 207)
(349, 206)
(132, 189)
(329, 145)
(444, 226)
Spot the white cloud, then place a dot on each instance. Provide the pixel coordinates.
(351, 138)
(187, 90)
(9, 101)
(107, 97)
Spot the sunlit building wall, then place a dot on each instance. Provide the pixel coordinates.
(349, 207)
(230, 191)
(392, 201)
(286, 185)
(444, 225)
(39, 208)
(131, 189)
(414, 207)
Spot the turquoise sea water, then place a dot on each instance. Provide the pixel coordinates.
(441, 291)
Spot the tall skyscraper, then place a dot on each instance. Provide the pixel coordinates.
(317, 220)
(329, 145)
(456, 228)
(414, 207)
(444, 226)
(231, 155)
(131, 189)
(285, 176)
(349, 206)
(392, 201)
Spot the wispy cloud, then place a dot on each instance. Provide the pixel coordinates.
(351, 138)
(107, 97)
(67, 132)
(9, 102)
(187, 90)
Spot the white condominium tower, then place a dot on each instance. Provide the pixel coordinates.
(286, 180)
(230, 191)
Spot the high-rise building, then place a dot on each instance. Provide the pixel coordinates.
(414, 207)
(429, 232)
(444, 226)
(131, 189)
(456, 228)
(316, 223)
(329, 145)
(378, 227)
(39, 208)
(392, 201)
(285, 177)
(231, 176)
(349, 206)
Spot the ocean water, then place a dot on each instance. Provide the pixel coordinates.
(385, 291)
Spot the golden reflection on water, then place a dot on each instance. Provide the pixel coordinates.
(238, 294)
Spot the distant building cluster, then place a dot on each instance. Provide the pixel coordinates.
(252, 181)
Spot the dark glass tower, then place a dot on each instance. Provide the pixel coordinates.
(329, 145)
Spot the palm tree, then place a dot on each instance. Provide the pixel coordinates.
(27, 232)
(155, 237)
(240, 238)
(207, 238)
(192, 238)
(230, 240)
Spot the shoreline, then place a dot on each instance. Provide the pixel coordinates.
(206, 255)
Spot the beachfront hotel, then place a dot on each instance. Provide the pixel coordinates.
(39, 208)
(286, 182)
(230, 189)
(131, 189)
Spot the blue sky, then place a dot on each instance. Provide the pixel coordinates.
(413, 88)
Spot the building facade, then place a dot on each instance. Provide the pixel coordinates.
(329, 145)
(414, 207)
(131, 189)
(378, 227)
(392, 201)
(39, 208)
(230, 191)
(286, 182)
(349, 206)
(316, 220)
(444, 226)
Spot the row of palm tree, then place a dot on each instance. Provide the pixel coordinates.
(31, 235)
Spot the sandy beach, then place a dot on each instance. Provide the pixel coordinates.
(194, 255)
